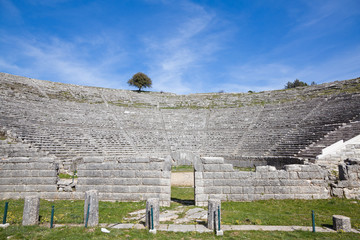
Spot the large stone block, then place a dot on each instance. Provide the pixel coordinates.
(343, 173)
(151, 181)
(212, 160)
(212, 168)
(31, 210)
(265, 168)
(91, 208)
(226, 168)
(293, 168)
(236, 190)
(341, 223)
(152, 217)
(214, 205)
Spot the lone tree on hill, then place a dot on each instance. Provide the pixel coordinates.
(296, 83)
(140, 80)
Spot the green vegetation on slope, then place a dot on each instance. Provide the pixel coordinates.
(192, 101)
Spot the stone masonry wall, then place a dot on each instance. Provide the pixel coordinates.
(133, 179)
(215, 179)
(20, 177)
(348, 185)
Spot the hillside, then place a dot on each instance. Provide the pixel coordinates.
(71, 121)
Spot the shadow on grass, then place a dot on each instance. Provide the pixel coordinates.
(327, 226)
(183, 201)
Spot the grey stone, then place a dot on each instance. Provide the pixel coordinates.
(213, 217)
(341, 223)
(265, 168)
(212, 160)
(343, 173)
(92, 198)
(154, 204)
(31, 210)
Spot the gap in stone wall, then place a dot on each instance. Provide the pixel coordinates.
(182, 184)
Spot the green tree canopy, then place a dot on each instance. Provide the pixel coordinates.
(140, 80)
(296, 83)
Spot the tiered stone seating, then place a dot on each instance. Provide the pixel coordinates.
(72, 121)
(326, 118)
(344, 132)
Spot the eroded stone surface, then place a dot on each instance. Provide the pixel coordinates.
(31, 210)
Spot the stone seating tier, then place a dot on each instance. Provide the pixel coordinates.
(71, 121)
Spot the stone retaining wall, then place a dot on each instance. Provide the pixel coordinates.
(20, 177)
(215, 179)
(134, 179)
(348, 185)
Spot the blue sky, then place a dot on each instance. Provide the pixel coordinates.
(183, 46)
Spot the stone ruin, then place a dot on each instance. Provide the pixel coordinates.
(123, 143)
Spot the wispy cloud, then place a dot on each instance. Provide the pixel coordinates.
(66, 61)
(176, 59)
(9, 11)
(269, 76)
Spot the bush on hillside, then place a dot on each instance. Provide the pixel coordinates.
(296, 83)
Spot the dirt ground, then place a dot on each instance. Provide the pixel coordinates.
(182, 179)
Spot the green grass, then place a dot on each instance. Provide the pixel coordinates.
(290, 212)
(181, 196)
(75, 233)
(66, 176)
(247, 169)
(183, 193)
(71, 211)
(182, 168)
(269, 212)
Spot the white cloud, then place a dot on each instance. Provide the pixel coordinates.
(269, 76)
(65, 61)
(176, 58)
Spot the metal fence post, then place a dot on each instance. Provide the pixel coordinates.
(152, 218)
(87, 215)
(52, 217)
(313, 220)
(5, 212)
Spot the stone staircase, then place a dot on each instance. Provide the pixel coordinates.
(344, 132)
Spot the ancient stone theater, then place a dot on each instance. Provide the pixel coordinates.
(303, 143)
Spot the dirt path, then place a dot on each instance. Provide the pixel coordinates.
(182, 179)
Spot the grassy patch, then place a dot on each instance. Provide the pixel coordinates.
(270, 212)
(182, 193)
(181, 196)
(247, 169)
(290, 212)
(182, 168)
(71, 211)
(66, 176)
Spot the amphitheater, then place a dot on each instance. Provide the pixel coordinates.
(304, 142)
